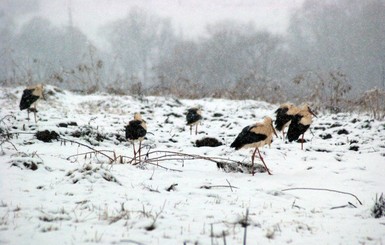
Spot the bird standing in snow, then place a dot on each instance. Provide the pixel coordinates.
(256, 135)
(135, 131)
(300, 122)
(284, 114)
(30, 97)
(194, 116)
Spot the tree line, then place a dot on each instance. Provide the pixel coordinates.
(332, 50)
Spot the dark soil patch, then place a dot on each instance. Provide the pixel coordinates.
(342, 131)
(30, 165)
(65, 125)
(325, 136)
(210, 142)
(173, 114)
(89, 134)
(218, 115)
(240, 167)
(47, 136)
(354, 147)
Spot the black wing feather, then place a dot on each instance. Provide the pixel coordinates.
(27, 99)
(296, 128)
(247, 137)
(192, 117)
(134, 130)
(282, 118)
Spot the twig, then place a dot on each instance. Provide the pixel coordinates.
(323, 189)
(8, 141)
(230, 185)
(212, 235)
(151, 189)
(171, 188)
(131, 241)
(192, 156)
(89, 147)
(169, 169)
(295, 206)
(245, 234)
(218, 186)
(344, 206)
(89, 153)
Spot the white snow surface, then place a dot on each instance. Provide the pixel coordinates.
(73, 199)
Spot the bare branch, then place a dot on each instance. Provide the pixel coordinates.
(323, 189)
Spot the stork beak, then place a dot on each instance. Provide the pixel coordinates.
(311, 112)
(274, 130)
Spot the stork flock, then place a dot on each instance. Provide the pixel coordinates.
(297, 119)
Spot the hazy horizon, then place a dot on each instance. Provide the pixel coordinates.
(188, 18)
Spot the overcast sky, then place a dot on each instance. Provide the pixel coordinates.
(188, 16)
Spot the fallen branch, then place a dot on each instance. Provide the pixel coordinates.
(323, 189)
(95, 151)
(157, 156)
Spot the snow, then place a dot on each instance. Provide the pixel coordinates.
(73, 199)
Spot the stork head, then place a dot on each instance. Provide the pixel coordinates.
(137, 116)
(269, 121)
(306, 107)
(196, 109)
(309, 110)
(40, 90)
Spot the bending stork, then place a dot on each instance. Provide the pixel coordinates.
(284, 114)
(300, 123)
(30, 97)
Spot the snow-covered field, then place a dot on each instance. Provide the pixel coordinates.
(72, 198)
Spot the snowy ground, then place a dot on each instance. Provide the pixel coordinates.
(78, 199)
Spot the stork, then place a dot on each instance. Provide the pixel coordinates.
(193, 117)
(30, 97)
(300, 122)
(256, 135)
(135, 131)
(284, 114)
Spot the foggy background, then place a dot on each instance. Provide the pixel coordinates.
(270, 50)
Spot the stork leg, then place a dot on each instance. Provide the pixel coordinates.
(302, 141)
(28, 114)
(133, 144)
(252, 161)
(34, 113)
(196, 129)
(260, 156)
(140, 146)
(190, 129)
